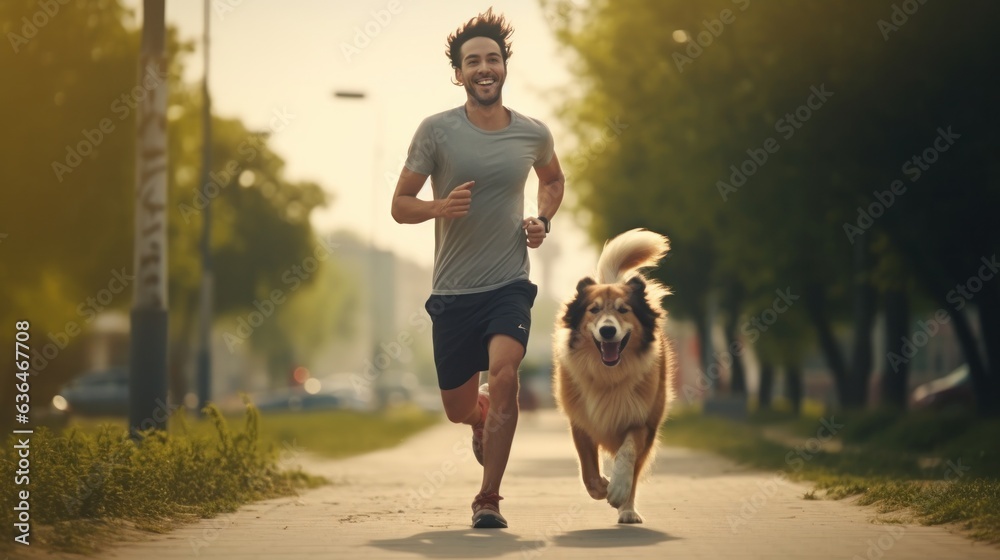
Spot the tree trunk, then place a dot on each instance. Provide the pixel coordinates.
(864, 318)
(989, 324)
(793, 386)
(180, 349)
(703, 324)
(973, 358)
(815, 300)
(937, 285)
(766, 385)
(896, 371)
(737, 371)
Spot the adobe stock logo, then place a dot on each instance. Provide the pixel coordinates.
(364, 35)
(787, 126)
(713, 29)
(900, 15)
(30, 27)
(913, 168)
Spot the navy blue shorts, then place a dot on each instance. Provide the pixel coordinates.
(463, 325)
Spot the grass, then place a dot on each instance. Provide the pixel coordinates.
(90, 481)
(329, 433)
(337, 434)
(934, 468)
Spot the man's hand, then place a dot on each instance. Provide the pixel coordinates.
(535, 230)
(458, 201)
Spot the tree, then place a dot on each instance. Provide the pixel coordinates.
(764, 133)
(68, 161)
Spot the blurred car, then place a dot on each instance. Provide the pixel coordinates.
(95, 393)
(316, 394)
(954, 389)
(396, 387)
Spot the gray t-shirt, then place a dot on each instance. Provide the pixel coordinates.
(485, 249)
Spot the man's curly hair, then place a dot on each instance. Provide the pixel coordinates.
(489, 25)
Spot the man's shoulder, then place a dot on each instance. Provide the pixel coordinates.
(448, 117)
(530, 122)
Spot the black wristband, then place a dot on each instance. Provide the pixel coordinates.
(544, 220)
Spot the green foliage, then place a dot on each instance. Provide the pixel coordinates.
(355, 432)
(695, 110)
(81, 480)
(68, 194)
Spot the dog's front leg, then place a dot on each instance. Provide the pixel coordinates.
(622, 472)
(624, 476)
(586, 448)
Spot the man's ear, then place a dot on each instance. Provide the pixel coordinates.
(458, 76)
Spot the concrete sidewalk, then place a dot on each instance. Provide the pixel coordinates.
(414, 502)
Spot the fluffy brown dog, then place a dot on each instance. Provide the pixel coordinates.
(613, 367)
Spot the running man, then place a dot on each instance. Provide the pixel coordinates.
(478, 156)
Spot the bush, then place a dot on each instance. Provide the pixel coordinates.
(81, 481)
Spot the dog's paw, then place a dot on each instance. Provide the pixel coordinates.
(619, 490)
(598, 489)
(629, 516)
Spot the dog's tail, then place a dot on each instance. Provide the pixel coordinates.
(632, 250)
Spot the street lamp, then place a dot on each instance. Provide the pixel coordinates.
(377, 156)
(204, 359)
(384, 284)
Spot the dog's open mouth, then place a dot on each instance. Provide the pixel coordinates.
(611, 352)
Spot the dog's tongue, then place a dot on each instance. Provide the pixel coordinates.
(609, 351)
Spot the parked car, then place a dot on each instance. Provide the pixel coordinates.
(318, 396)
(95, 393)
(954, 389)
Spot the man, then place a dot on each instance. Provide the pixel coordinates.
(478, 156)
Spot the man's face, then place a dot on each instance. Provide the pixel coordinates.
(482, 72)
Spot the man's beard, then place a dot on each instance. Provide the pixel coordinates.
(471, 89)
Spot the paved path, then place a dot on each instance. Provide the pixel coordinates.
(413, 501)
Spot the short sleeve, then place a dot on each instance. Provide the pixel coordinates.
(547, 148)
(422, 153)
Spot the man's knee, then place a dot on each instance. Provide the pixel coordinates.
(458, 412)
(503, 380)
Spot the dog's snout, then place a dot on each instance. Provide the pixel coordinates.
(607, 332)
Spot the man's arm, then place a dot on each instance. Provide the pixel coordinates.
(550, 187)
(550, 193)
(408, 209)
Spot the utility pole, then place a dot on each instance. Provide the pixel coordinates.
(204, 368)
(381, 267)
(148, 343)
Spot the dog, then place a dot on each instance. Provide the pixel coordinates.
(613, 367)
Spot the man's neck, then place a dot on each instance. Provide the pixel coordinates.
(487, 117)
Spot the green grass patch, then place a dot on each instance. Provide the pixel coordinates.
(329, 433)
(932, 467)
(343, 433)
(91, 481)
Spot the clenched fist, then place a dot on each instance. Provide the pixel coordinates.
(535, 230)
(458, 201)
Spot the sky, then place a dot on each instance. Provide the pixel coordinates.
(269, 57)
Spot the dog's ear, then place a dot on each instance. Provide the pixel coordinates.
(637, 284)
(576, 309)
(646, 315)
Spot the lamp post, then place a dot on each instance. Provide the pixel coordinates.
(204, 360)
(382, 283)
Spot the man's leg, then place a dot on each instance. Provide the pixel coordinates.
(461, 405)
(505, 353)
